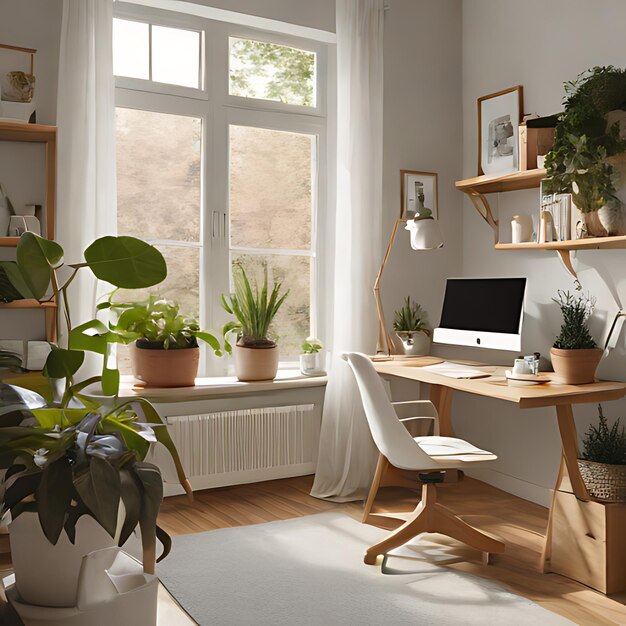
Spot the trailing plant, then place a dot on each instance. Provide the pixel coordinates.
(410, 318)
(602, 444)
(311, 346)
(576, 310)
(583, 142)
(254, 310)
(158, 324)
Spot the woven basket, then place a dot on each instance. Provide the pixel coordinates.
(605, 482)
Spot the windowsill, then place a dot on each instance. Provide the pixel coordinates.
(220, 387)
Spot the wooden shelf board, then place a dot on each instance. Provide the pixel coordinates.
(528, 179)
(27, 304)
(15, 131)
(591, 243)
(9, 241)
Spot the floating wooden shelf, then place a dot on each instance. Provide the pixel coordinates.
(591, 243)
(529, 179)
(16, 131)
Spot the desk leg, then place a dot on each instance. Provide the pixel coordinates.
(441, 397)
(568, 470)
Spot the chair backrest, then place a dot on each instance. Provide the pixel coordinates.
(390, 436)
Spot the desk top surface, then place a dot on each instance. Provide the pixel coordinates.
(495, 384)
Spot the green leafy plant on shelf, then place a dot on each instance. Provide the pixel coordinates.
(254, 309)
(576, 310)
(604, 444)
(583, 142)
(158, 324)
(410, 318)
(311, 346)
(67, 452)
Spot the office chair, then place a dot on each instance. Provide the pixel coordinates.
(432, 456)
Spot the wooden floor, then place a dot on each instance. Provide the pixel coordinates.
(519, 523)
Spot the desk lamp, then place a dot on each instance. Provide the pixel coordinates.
(425, 235)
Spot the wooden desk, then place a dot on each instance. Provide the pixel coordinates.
(569, 480)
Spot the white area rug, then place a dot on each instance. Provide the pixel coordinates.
(310, 572)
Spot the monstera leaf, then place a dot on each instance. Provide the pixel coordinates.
(126, 262)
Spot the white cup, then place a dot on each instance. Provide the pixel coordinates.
(520, 366)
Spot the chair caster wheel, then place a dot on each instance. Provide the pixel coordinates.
(370, 559)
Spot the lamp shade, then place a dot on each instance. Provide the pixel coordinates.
(425, 233)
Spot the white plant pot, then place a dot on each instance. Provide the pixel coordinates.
(312, 364)
(412, 343)
(47, 575)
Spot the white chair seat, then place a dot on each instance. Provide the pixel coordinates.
(452, 449)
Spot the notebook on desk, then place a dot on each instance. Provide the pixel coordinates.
(455, 370)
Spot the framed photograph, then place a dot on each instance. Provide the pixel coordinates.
(499, 116)
(418, 188)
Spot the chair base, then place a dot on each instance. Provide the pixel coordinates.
(431, 517)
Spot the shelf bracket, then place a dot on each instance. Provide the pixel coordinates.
(566, 259)
(484, 210)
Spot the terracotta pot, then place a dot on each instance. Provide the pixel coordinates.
(165, 368)
(255, 363)
(575, 367)
(593, 225)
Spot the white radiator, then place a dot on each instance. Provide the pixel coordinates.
(246, 445)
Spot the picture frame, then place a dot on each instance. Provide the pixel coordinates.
(499, 117)
(410, 182)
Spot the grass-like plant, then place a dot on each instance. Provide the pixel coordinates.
(576, 310)
(158, 324)
(410, 318)
(603, 444)
(254, 309)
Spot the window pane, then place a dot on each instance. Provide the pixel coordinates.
(131, 49)
(292, 323)
(270, 188)
(176, 56)
(158, 175)
(268, 71)
(181, 285)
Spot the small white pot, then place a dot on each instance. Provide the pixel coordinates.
(413, 343)
(312, 364)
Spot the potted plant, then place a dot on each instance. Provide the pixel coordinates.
(411, 328)
(311, 363)
(575, 355)
(603, 463)
(587, 159)
(255, 352)
(76, 478)
(165, 351)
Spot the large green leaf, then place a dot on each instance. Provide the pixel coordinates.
(36, 257)
(12, 282)
(63, 363)
(49, 418)
(132, 496)
(126, 262)
(99, 489)
(54, 495)
(36, 383)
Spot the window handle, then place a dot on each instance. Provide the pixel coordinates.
(215, 224)
(225, 224)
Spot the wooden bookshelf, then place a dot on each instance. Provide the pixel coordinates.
(590, 243)
(36, 133)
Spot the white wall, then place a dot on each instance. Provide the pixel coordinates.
(538, 45)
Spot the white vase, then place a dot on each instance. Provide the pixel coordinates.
(412, 343)
(312, 364)
(47, 575)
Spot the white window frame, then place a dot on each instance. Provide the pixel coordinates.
(218, 110)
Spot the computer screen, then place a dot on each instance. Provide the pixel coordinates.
(483, 312)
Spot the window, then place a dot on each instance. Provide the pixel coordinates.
(157, 53)
(225, 175)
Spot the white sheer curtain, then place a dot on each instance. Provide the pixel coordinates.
(86, 194)
(347, 455)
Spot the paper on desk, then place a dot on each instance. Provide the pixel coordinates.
(455, 370)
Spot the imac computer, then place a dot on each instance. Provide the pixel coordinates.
(483, 312)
